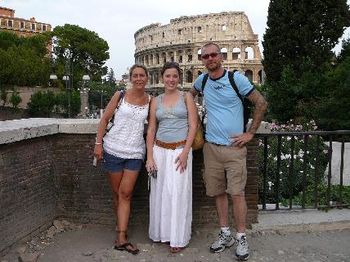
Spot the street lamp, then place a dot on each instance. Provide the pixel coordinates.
(53, 77)
(66, 79)
(84, 96)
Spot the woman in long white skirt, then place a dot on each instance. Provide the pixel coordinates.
(171, 130)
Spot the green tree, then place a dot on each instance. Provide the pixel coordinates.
(62, 103)
(298, 47)
(23, 60)
(15, 99)
(110, 77)
(300, 31)
(334, 107)
(79, 51)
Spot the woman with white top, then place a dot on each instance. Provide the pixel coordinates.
(171, 130)
(122, 148)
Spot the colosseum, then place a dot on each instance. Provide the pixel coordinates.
(181, 40)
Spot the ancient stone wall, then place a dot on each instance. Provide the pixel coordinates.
(181, 40)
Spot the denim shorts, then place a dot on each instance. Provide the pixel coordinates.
(112, 164)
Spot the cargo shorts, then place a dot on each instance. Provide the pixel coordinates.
(225, 169)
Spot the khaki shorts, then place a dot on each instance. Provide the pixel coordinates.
(225, 169)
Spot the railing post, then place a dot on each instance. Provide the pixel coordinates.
(265, 174)
(279, 143)
(291, 172)
(305, 158)
(329, 177)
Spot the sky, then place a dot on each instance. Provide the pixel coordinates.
(116, 21)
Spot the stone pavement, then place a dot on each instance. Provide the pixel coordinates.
(312, 236)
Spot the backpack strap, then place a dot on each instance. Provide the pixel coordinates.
(121, 96)
(233, 84)
(111, 121)
(204, 81)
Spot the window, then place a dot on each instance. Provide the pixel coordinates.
(199, 29)
(10, 23)
(199, 52)
(23, 25)
(44, 28)
(33, 27)
(163, 34)
(179, 32)
(189, 58)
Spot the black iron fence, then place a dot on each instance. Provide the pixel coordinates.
(296, 170)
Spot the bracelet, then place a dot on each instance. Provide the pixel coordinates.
(97, 143)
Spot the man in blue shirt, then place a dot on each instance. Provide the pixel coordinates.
(225, 151)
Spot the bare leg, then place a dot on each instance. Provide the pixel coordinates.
(124, 199)
(240, 212)
(221, 202)
(114, 181)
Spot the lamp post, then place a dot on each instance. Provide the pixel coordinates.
(84, 96)
(66, 79)
(53, 77)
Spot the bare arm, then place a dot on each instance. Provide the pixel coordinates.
(181, 160)
(193, 92)
(192, 121)
(260, 107)
(151, 133)
(109, 111)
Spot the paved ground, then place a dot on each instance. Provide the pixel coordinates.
(312, 236)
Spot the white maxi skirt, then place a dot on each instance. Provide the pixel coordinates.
(171, 199)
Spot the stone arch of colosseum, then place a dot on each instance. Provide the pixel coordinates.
(182, 39)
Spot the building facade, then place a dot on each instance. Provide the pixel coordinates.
(20, 26)
(182, 39)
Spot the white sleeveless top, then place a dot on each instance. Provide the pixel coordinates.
(125, 138)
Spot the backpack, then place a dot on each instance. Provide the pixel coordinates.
(245, 102)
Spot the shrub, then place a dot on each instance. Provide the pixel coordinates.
(291, 184)
(42, 104)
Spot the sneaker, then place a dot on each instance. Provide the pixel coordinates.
(242, 251)
(222, 242)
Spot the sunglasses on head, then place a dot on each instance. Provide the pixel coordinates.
(212, 55)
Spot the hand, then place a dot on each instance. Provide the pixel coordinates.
(98, 152)
(181, 161)
(242, 139)
(151, 165)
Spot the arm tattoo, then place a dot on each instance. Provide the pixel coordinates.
(260, 107)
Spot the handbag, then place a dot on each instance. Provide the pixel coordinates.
(198, 141)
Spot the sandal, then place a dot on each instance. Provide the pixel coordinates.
(127, 247)
(176, 249)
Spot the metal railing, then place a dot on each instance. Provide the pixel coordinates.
(297, 180)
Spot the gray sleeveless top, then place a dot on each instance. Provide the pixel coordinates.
(172, 121)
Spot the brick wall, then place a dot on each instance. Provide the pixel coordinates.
(53, 176)
(27, 189)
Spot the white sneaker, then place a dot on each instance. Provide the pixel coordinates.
(222, 242)
(242, 250)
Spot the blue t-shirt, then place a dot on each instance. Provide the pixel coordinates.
(224, 108)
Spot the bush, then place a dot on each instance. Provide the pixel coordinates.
(15, 99)
(42, 104)
(334, 198)
(292, 184)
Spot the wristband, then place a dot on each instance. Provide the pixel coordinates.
(96, 143)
